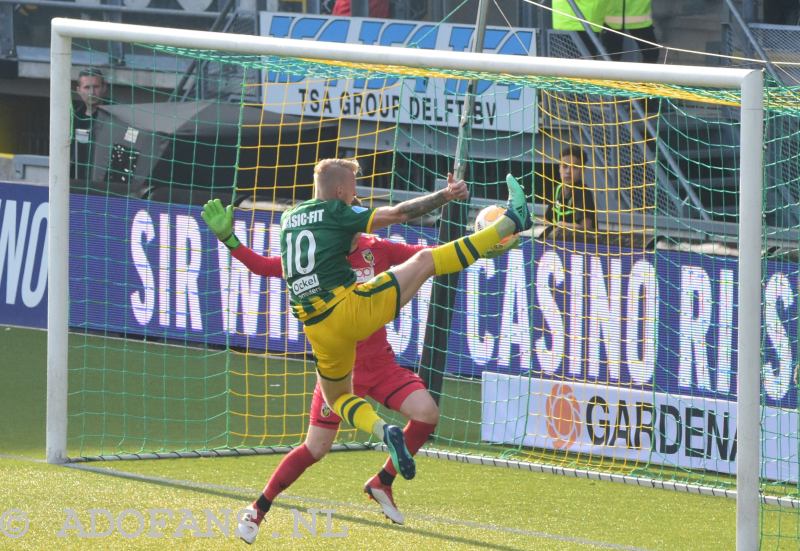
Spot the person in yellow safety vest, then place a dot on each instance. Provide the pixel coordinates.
(633, 17)
(594, 11)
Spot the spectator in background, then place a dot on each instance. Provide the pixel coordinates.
(572, 207)
(594, 11)
(92, 90)
(377, 8)
(633, 17)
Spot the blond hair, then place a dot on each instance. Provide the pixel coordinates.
(326, 172)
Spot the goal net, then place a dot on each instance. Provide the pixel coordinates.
(606, 346)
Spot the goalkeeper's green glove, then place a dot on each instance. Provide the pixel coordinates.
(220, 220)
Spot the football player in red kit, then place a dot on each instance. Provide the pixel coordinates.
(376, 374)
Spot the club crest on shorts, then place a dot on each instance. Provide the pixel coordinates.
(368, 256)
(325, 411)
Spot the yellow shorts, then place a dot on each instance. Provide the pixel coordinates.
(333, 334)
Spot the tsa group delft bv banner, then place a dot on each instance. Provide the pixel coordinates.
(436, 102)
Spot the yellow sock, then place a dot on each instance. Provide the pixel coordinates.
(455, 256)
(356, 411)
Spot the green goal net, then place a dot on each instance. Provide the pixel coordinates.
(605, 346)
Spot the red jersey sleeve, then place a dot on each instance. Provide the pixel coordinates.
(397, 253)
(268, 266)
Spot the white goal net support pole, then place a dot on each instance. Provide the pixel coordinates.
(749, 82)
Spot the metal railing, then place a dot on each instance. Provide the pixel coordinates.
(737, 18)
(648, 132)
(223, 22)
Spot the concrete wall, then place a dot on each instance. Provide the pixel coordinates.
(690, 25)
(6, 167)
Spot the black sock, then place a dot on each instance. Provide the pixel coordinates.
(386, 478)
(263, 504)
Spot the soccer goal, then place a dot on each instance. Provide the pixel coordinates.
(623, 340)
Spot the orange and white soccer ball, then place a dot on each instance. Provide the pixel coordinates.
(489, 216)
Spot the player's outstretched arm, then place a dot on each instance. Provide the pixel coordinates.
(220, 220)
(414, 208)
(267, 266)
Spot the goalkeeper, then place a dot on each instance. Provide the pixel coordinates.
(376, 374)
(336, 312)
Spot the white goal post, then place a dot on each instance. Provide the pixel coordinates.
(749, 82)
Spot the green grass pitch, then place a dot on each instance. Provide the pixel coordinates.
(448, 505)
